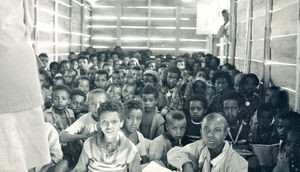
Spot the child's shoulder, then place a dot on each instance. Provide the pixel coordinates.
(159, 117)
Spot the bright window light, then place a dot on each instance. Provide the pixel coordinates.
(134, 18)
(188, 28)
(134, 27)
(192, 49)
(134, 39)
(192, 40)
(162, 39)
(104, 17)
(163, 49)
(128, 47)
(153, 7)
(103, 26)
(103, 38)
(103, 6)
(162, 27)
(98, 46)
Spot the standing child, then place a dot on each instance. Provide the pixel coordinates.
(109, 150)
(133, 118)
(197, 110)
(175, 128)
(152, 122)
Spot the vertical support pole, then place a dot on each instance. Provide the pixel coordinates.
(70, 24)
(209, 43)
(249, 37)
(55, 28)
(297, 96)
(221, 49)
(178, 13)
(90, 28)
(149, 23)
(119, 23)
(82, 25)
(267, 44)
(233, 21)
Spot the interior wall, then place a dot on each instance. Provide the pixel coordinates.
(167, 26)
(274, 28)
(61, 26)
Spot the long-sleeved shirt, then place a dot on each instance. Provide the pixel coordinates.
(95, 157)
(197, 153)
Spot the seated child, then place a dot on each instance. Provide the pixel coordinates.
(197, 109)
(101, 79)
(290, 161)
(128, 92)
(264, 131)
(59, 115)
(133, 118)
(77, 103)
(175, 128)
(114, 92)
(152, 122)
(239, 131)
(110, 149)
(86, 125)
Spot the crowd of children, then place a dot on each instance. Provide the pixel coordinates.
(117, 111)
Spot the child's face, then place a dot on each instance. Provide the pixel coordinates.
(54, 70)
(249, 86)
(172, 79)
(44, 61)
(95, 101)
(114, 93)
(133, 120)
(176, 128)
(128, 92)
(110, 124)
(77, 102)
(83, 63)
(197, 110)
(137, 75)
(74, 64)
(100, 81)
(109, 69)
(94, 60)
(221, 85)
(42, 79)
(181, 65)
(272, 97)
(231, 109)
(201, 75)
(69, 77)
(265, 119)
(283, 126)
(116, 78)
(84, 85)
(199, 88)
(130, 80)
(149, 102)
(212, 73)
(152, 66)
(64, 67)
(60, 99)
(213, 133)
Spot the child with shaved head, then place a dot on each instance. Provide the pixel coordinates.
(175, 129)
(212, 153)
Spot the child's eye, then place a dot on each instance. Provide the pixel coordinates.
(114, 121)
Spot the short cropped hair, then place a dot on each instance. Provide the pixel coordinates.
(77, 92)
(43, 55)
(215, 115)
(61, 87)
(53, 64)
(233, 95)
(250, 76)
(82, 57)
(225, 75)
(174, 115)
(149, 89)
(96, 91)
(198, 98)
(174, 69)
(112, 106)
(102, 72)
(76, 83)
(133, 104)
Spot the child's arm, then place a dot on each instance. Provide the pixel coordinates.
(135, 165)
(65, 137)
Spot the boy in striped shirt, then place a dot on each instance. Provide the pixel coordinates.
(109, 150)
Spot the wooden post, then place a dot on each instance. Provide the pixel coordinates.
(55, 27)
(149, 23)
(82, 25)
(119, 23)
(297, 96)
(267, 44)
(70, 24)
(178, 11)
(233, 21)
(249, 37)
